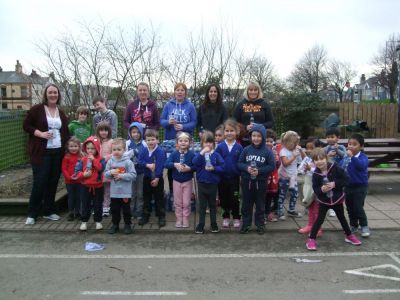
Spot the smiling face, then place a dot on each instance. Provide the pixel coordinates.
(332, 139)
(256, 138)
(73, 147)
(269, 142)
(103, 133)
(230, 133)
(151, 142)
(82, 117)
(213, 94)
(143, 92)
(252, 92)
(100, 106)
(321, 163)
(52, 95)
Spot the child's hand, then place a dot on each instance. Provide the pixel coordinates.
(307, 167)
(178, 167)
(250, 170)
(327, 187)
(151, 167)
(349, 153)
(154, 182)
(332, 153)
(172, 121)
(254, 172)
(91, 157)
(185, 168)
(178, 127)
(205, 150)
(248, 127)
(210, 168)
(87, 174)
(118, 176)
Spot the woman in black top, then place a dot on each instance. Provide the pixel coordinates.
(212, 112)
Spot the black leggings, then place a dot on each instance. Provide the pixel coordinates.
(323, 208)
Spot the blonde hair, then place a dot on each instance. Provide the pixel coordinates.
(181, 134)
(290, 137)
(253, 83)
(73, 139)
(119, 141)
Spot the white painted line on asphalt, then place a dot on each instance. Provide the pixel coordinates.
(395, 258)
(190, 256)
(127, 293)
(366, 272)
(377, 291)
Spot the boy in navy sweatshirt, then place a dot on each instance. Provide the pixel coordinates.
(357, 187)
(208, 164)
(152, 159)
(256, 162)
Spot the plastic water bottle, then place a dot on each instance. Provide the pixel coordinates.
(153, 173)
(208, 161)
(253, 165)
(89, 165)
(182, 158)
(251, 118)
(329, 194)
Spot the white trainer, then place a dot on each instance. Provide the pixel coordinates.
(52, 217)
(99, 226)
(83, 226)
(30, 221)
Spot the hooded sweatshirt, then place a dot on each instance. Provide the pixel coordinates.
(260, 109)
(335, 174)
(81, 130)
(262, 155)
(68, 166)
(184, 113)
(121, 188)
(134, 148)
(98, 164)
(147, 114)
(108, 116)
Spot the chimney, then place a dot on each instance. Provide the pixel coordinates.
(362, 79)
(18, 67)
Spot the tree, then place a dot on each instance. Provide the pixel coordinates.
(309, 73)
(386, 68)
(338, 73)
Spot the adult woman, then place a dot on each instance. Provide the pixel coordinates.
(212, 112)
(179, 114)
(48, 134)
(142, 110)
(253, 109)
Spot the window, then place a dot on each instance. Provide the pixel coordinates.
(19, 106)
(4, 105)
(24, 91)
(3, 92)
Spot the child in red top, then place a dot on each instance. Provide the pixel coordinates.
(272, 180)
(90, 172)
(68, 165)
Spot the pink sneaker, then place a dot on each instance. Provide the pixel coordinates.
(225, 223)
(306, 229)
(236, 223)
(272, 218)
(178, 225)
(352, 239)
(311, 244)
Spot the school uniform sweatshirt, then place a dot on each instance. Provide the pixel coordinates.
(184, 113)
(263, 156)
(231, 159)
(157, 156)
(357, 170)
(121, 188)
(133, 148)
(204, 176)
(175, 158)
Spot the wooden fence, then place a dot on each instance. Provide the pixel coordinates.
(381, 118)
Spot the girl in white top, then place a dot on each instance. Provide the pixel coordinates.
(289, 155)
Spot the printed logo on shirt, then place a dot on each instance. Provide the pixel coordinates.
(179, 115)
(260, 159)
(251, 108)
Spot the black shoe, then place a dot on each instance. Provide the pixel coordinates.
(143, 221)
(214, 228)
(114, 229)
(70, 217)
(199, 229)
(128, 229)
(161, 221)
(245, 229)
(260, 229)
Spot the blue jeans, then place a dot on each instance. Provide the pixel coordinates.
(74, 198)
(283, 188)
(355, 198)
(44, 186)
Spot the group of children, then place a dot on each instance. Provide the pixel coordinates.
(114, 175)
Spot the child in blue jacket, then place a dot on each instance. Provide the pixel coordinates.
(208, 164)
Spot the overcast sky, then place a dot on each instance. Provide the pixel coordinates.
(281, 30)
